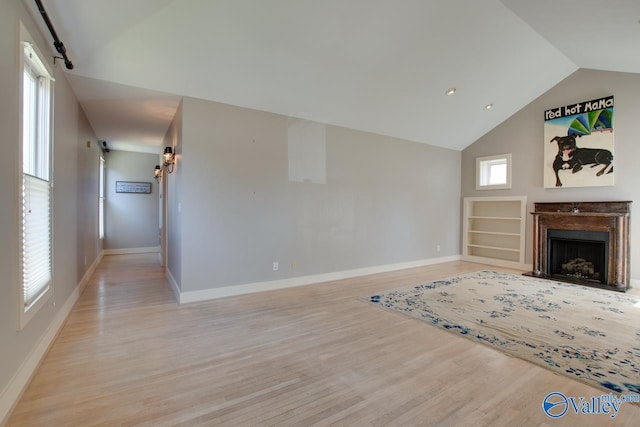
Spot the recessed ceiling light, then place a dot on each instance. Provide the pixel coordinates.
(488, 106)
(450, 91)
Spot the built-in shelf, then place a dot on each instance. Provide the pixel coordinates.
(494, 230)
(497, 233)
(498, 248)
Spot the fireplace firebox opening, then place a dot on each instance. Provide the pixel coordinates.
(578, 255)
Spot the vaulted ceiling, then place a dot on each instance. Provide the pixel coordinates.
(381, 66)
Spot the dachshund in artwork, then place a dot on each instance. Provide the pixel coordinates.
(571, 157)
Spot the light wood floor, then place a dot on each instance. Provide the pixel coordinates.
(314, 355)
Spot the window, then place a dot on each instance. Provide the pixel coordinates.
(101, 198)
(35, 256)
(493, 172)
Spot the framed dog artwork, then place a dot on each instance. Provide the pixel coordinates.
(578, 145)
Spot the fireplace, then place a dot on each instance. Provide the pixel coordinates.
(586, 243)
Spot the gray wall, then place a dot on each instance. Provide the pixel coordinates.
(88, 160)
(131, 219)
(522, 135)
(73, 163)
(384, 201)
(173, 186)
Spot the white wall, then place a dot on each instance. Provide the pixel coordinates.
(385, 200)
(131, 219)
(522, 135)
(75, 235)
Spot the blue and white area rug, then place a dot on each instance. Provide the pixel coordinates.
(585, 333)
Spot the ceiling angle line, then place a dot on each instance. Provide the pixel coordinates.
(56, 41)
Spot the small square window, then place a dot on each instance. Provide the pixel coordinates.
(493, 172)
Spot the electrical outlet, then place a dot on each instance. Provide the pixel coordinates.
(437, 248)
(275, 266)
(293, 265)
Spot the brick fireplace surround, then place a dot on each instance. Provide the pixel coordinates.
(584, 220)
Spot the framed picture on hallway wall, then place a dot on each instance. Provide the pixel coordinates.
(133, 187)
(578, 144)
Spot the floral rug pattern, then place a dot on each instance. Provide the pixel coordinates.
(585, 333)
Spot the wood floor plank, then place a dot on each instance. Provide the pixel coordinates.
(319, 355)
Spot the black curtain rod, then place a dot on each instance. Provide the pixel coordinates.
(56, 41)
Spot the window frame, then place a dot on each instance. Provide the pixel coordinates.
(41, 167)
(482, 165)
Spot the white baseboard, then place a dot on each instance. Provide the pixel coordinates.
(17, 385)
(127, 251)
(498, 263)
(172, 282)
(228, 291)
(87, 275)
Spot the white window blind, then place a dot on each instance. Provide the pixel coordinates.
(36, 240)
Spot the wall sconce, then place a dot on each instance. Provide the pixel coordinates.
(157, 173)
(169, 159)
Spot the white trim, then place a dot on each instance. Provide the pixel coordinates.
(175, 288)
(487, 159)
(17, 385)
(127, 251)
(92, 268)
(25, 37)
(498, 262)
(228, 291)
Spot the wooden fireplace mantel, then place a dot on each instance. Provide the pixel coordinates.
(610, 217)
